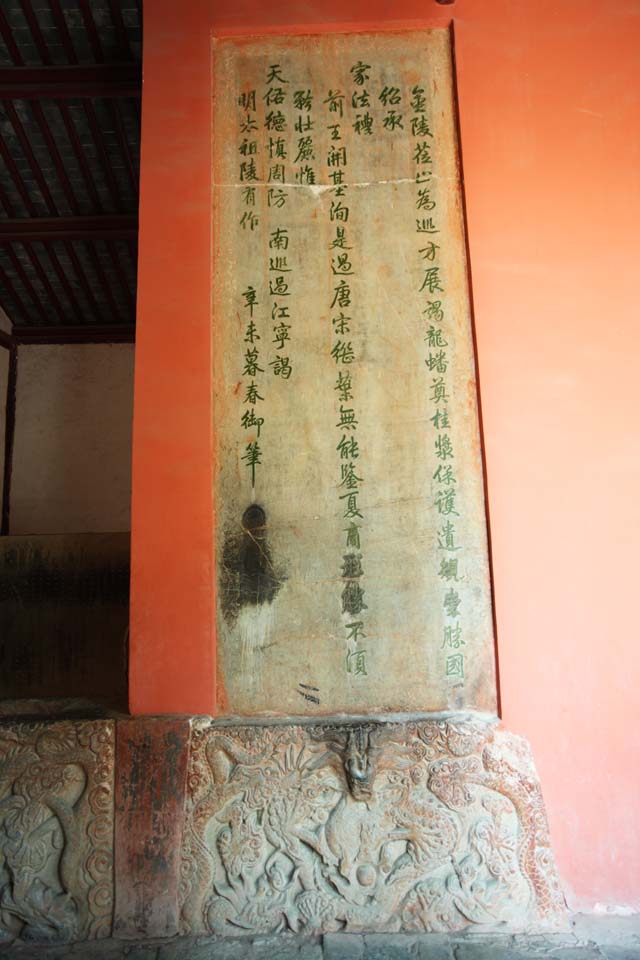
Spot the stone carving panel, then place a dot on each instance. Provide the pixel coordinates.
(56, 830)
(422, 826)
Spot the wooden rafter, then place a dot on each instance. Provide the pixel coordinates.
(71, 82)
(105, 226)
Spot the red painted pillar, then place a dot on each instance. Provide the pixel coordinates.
(172, 652)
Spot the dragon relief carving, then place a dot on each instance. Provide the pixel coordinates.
(376, 826)
(56, 830)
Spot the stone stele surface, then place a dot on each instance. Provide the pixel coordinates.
(351, 552)
(56, 830)
(432, 826)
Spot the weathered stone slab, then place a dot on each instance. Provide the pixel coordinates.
(337, 947)
(351, 552)
(429, 826)
(344, 946)
(56, 830)
(150, 791)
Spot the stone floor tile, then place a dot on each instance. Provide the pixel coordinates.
(189, 949)
(23, 952)
(604, 928)
(343, 946)
(592, 938)
(433, 946)
(630, 951)
(389, 946)
(28, 951)
(139, 951)
(309, 951)
(541, 941)
(587, 951)
(92, 950)
(504, 950)
(488, 950)
(283, 948)
(34, 951)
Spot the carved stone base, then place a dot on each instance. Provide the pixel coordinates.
(418, 826)
(56, 830)
(432, 825)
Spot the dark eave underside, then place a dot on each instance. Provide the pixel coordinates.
(70, 86)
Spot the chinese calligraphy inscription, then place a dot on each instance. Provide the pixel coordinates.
(351, 553)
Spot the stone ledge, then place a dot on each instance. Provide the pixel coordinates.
(606, 940)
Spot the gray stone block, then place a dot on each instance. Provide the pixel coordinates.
(390, 946)
(629, 951)
(343, 946)
(605, 929)
(537, 948)
(309, 951)
(540, 943)
(189, 949)
(139, 952)
(283, 948)
(492, 950)
(22, 952)
(587, 951)
(94, 950)
(486, 951)
(434, 946)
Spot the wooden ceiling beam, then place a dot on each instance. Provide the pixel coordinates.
(87, 333)
(105, 226)
(65, 82)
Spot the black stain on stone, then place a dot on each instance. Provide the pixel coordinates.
(249, 575)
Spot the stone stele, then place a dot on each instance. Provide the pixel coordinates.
(351, 568)
(351, 561)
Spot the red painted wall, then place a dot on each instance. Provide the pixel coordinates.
(549, 112)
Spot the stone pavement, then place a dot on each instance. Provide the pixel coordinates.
(590, 938)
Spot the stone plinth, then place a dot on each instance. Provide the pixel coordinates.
(235, 830)
(418, 826)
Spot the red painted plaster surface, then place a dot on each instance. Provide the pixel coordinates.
(549, 113)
